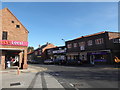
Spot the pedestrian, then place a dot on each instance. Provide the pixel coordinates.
(11, 60)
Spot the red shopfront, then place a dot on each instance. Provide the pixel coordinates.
(13, 53)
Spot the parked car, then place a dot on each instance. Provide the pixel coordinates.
(73, 62)
(48, 61)
(34, 62)
(59, 61)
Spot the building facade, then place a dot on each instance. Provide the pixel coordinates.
(39, 54)
(13, 41)
(95, 48)
(56, 53)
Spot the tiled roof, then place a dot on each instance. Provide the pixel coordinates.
(91, 34)
(94, 34)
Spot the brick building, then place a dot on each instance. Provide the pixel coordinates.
(95, 48)
(39, 54)
(56, 53)
(13, 40)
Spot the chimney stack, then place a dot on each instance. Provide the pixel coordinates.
(39, 46)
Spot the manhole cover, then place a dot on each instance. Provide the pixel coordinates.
(15, 84)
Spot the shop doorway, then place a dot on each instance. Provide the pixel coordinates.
(98, 57)
(12, 59)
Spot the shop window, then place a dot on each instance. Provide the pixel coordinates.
(72, 57)
(100, 58)
(49, 52)
(4, 35)
(68, 57)
(17, 26)
(90, 43)
(99, 41)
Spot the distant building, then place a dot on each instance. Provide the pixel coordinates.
(95, 48)
(56, 53)
(39, 53)
(13, 40)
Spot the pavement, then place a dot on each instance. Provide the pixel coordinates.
(33, 77)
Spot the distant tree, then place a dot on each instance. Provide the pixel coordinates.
(30, 49)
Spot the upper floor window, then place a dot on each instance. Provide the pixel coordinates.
(4, 35)
(75, 44)
(99, 41)
(82, 45)
(39, 52)
(17, 26)
(12, 21)
(69, 46)
(117, 40)
(90, 43)
(36, 53)
(0, 59)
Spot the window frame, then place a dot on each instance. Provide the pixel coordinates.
(4, 35)
(17, 26)
(90, 42)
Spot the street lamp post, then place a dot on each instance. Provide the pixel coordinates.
(64, 41)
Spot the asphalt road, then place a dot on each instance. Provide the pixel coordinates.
(84, 76)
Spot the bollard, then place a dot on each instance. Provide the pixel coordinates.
(18, 71)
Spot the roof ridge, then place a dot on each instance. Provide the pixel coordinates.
(91, 34)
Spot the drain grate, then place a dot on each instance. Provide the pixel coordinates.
(15, 84)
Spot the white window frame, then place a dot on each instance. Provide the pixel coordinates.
(90, 43)
(82, 45)
(99, 41)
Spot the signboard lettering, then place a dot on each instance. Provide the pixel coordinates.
(13, 43)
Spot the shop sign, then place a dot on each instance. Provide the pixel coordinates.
(13, 43)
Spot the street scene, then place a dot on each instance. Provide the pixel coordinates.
(63, 77)
(59, 45)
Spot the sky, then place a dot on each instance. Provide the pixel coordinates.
(53, 21)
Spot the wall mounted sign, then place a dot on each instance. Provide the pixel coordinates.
(13, 43)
